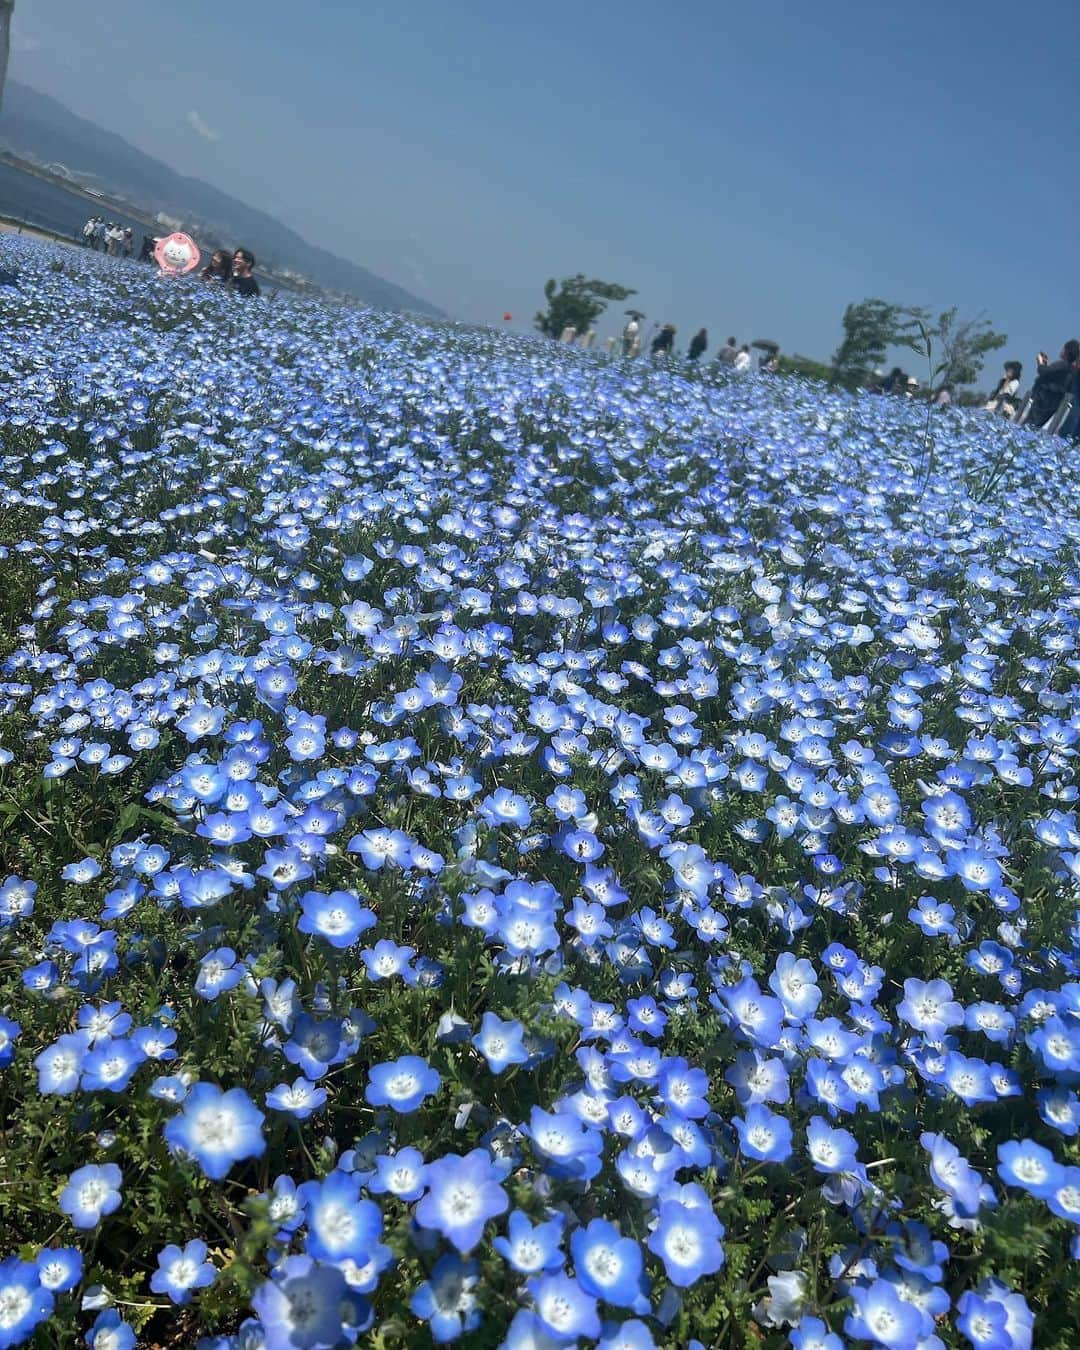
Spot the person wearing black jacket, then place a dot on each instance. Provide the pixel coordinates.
(662, 342)
(1051, 383)
(241, 281)
(698, 343)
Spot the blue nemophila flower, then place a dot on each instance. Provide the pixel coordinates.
(169, 1089)
(402, 1174)
(1030, 1166)
(629, 1335)
(794, 981)
(1060, 1109)
(757, 1016)
(881, 1315)
(182, 1270)
(993, 1316)
(982, 1321)
(9, 1034)
(953, 1174)
(308, 1306)
(504, 807)
(59, 1066)
(501, 1043)
(216, 1129)
(757, 1078)
(1064, 1197)
(91, 1193)
(446, 1300)
(683, 1089)
(110, 1064)
(564, 1310)
(24, 1301)
(16, 900)
(386, 959)
(314, 1045)
(565, 1146)
(610, 1266)
(340, 1225)
(299, 1099)
(813, 1334)
(687, 1240)
(929, 1007)
(1057, 1043)
(831, 1150)
(219, 971)
(337, 918)
(79, 873)
(110, 1332)
(380, 846)
(463, 1193)
(531, 1248)
(59, 1268)
(763, 1135)
(402, 1084)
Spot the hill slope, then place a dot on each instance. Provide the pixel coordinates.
(38, 127)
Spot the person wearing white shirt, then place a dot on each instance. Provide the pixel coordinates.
(742, 359)
(1006, 396)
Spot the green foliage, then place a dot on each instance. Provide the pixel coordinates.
(576, 302)
(805, 366)
(963, 345)
(870, 328)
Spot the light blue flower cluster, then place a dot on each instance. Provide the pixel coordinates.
(509, 845)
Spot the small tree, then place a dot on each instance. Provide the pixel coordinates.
(962, 346)
(870, 329)
(576, 302)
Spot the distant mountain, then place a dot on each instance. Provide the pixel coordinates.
(39, 128)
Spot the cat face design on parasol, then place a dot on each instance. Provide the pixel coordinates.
(176, 254)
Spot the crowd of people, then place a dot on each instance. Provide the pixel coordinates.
(109, 237)
(1052, 403)
(1054, 399)
(234, 270)
(661, 345)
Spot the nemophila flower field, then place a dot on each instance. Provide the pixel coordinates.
(511, 847)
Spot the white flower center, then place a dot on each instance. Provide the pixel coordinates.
(215, 1128)
(15, 1303)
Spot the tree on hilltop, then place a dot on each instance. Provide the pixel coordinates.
(961, 347)
(870, 328)
(576, 302)
(958, 346)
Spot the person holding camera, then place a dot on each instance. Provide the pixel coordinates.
(1051, 383)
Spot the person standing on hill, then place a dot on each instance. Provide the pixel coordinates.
(727, 353)
(663, 342)
(1051, 383)
(630, 336)
(742, 359)
(698, 343)
(243, 265)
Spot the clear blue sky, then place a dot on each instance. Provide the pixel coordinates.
(749, 167)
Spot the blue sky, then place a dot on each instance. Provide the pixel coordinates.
(751, 168)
